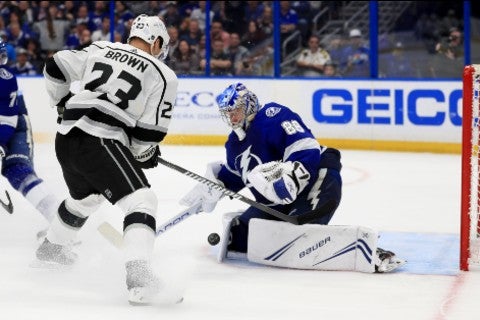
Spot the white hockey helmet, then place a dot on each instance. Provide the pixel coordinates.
(149, 28)
(237, 96)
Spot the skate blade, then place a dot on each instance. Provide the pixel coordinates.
(389, 267)
(39, 264)
(146, 297)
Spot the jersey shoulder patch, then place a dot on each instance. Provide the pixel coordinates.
(5, 74)
(271, 110)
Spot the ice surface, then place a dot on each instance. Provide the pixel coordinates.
(392, 192)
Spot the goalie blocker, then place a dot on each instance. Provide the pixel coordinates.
(311, 246)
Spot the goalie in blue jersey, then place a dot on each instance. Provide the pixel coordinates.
(273, 153)
(16, 144)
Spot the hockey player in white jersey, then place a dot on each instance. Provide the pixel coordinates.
(273, 153)
(108, 132)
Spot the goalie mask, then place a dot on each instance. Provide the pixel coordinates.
(149, 29)
(238, 106)
(3, 53)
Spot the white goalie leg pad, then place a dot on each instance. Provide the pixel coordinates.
(139, 238)
(227, 220)
(312, 246)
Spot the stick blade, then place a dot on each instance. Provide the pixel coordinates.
(111, 234)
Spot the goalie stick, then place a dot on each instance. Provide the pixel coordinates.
(116, 238)
(301, 219)
(9, 205)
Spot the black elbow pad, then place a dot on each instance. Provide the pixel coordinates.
(52, 69)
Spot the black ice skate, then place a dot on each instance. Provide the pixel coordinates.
(387, 261)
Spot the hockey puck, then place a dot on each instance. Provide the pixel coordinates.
(213, 239)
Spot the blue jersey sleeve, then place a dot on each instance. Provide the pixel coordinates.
(289, 139)
(8, 105)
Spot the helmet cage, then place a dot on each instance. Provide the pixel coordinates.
(3, 53)
(237, 97)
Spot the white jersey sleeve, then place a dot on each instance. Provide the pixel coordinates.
(125, 93)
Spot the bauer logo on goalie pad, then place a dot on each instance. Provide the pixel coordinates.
(310, 246)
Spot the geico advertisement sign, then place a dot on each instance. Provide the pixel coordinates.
(418, 107)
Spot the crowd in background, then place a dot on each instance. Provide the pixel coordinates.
(241, 36)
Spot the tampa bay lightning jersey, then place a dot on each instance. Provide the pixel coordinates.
(9, 108)
(275, 134)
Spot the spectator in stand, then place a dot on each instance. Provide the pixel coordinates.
(288, 25)
(68, 9)
(201, 50)
(173, 43)
(330, 70)
(185, 8)
(103, 34)
(52, 32)
(450, 21)
(16, 36)
(265, 22)
(217, 33)
(23, 23)
(193, 34)
(232, 16)
(138, 7)
(238, 53)
(311, 61)
(396, 64)
(73, 39)
(184, 60)
(85, 39)
(124, 15)
(96, 16)
(254, 10)
(448, 62)
(83, 16)
(25, 13)
(200, 15)
(220, 64)
(355, 56)
(452, 47)
(40, 10)
(253, 36)
(170, 15)
(35, 58)
(23, 67)
(126, 31)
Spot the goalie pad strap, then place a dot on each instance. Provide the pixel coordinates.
(312, 246)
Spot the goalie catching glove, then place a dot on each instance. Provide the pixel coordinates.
(149, 158)
(207, 195)
(279, 182)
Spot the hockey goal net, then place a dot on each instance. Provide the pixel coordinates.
(470, 202)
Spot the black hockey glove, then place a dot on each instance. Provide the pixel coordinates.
(61, 106)
(149, 158)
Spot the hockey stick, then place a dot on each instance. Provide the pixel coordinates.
(301, 219)
(116, 238)
(9, 205)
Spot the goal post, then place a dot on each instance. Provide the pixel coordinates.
(470, 194)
